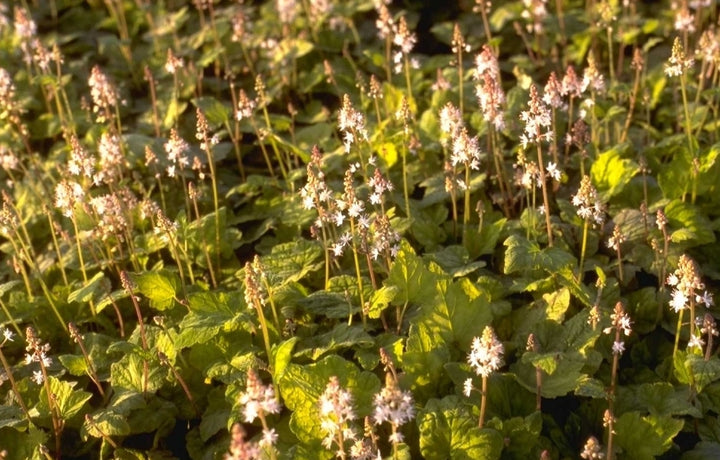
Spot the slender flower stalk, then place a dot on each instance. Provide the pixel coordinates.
(405, 116)
(620, 326)
(38, 352)
(9, 336)
(129, 286)
(491, 99)
(194, 193)
(485, 357)
(637, 64)
(405, 40)
(164, 361)
(78, 338)
(206, 144)
(614, 243)
(459, 47)
(709, 329)
(534, 346)
(538, 118)
(688, 291)
(678, 66)
(483, 6)
(591, 210)
(262, 102)
(94, 426)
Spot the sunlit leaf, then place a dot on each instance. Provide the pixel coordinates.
(447, 430)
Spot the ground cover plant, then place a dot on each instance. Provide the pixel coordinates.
(359, 229)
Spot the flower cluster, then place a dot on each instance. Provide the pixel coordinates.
(486, 354)
(67, 195)
(352, 123)
(257, 401)
(537, 118)
(592, 450)
(488, 88)
(336, 413)
(621, 324)
(592, 78)
(111, 210)
(37, 352)
(405, 41)
(246, 106)
(241, 449)
(464, 150)
(103, 93)
(678, 62)
(393, 405)
(616, 239)
(254, 290)
(588, 203)
(534, 13)
(687, 286)
(176, 149)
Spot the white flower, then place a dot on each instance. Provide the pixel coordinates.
(467, 387)
(269, 438)
(679, 300)
(8, 335)
(553, 171)
(485, 356)
(695, 342)
(38, 377)
(618, 347)
(706, 298)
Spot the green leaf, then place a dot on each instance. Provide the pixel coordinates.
(210, 312)
(557, 304)
(128, 374)
(659, 398)
(329, 304)
(69, 401)
(105, 423)
(458, 311)
(281, 356)
(11, 416)
(380, 300)
(645, 438)
(216, 415)
(289, 262)
(75, 364)
(97, 285)
(692, 227)
(160, 287)
(341, 336)
(455, 261)
(521, 435)
(447, 430)
(302, 387)
(23, 445)
(567, 372)
(408, 274)
(290, 49)
(425, 355)
(703, 451)
(172, 113)
(590, 388)
(215, 111)
(523, 255)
